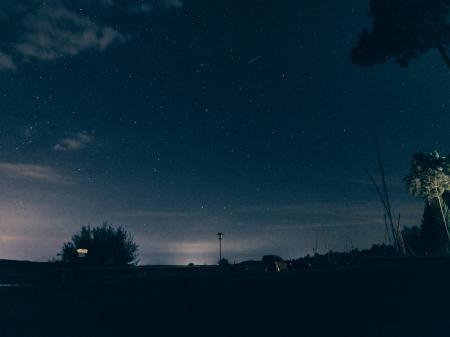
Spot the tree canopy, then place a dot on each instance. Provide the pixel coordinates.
(106, 245)
(429, 179)
(403, 30)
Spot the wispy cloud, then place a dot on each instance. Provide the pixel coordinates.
(292, 217)
(47, 30)
(6, 62)
(155, 214)
(54, 31)
(34, 173)
(148, 7)
(394, 181)
(75, 143)
(141, 8)
(173, 3)
(313, 214)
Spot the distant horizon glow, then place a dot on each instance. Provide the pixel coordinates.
(199, 248)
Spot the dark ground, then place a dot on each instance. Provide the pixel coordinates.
(375, 299)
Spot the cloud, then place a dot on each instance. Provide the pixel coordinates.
(173, 4)
(6, 62)
(143, 8)
(147, 7)
(314, 214)
(54, 31)
(75, 143)
(33, 172)
(156, 214)
(47, 30)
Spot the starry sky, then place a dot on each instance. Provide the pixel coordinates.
(180, 118)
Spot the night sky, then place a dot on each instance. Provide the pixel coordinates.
(181, 118)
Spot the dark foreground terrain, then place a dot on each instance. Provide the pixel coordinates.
(369, 299)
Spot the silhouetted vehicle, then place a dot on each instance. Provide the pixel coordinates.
(273, 263)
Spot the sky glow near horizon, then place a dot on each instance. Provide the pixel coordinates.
(179, 119)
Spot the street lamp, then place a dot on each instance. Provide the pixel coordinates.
(220, 236)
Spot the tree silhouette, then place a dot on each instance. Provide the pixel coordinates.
(224, 263)
(403, 30)
(433, 236)
(413, 239)
(429, 179)
(107, 246)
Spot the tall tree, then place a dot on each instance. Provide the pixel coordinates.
(430, 179)
(433, 236)
(106, 245)
(403, 30)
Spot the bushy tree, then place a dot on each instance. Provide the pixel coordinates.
(429, 179)
(403, 30)
(107, 246)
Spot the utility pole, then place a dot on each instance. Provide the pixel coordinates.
(220, 236)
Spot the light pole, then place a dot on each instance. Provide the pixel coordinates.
(220, 236)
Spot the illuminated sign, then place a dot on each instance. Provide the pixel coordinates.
(82, 252)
